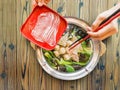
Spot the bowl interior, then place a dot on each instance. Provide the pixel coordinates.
(93, 60)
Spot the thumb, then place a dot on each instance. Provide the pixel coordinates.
(42, 2)
(97, 22)
(34, 3)
(89, 29)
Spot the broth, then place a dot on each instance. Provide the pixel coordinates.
(61, 59)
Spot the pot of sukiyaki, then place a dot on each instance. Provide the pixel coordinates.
(76, 63)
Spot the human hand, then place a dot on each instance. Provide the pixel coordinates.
(108, 30)
(39, 2)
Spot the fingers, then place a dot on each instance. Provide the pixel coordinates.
(39, 2)
(102, 37)
(34, 3)
(105, 32)
(105, 36)
(97, 22)
(46, 1)
(101, 17)
(104, 15)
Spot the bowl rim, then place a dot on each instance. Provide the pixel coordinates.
(79, 73)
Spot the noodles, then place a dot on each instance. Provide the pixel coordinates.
(46, 28)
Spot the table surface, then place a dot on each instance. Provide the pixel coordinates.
(19, 68)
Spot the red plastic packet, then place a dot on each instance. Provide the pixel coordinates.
(31, 21)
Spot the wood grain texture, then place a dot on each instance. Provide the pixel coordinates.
(19, 68)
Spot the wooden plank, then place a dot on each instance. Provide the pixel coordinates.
(47, 82)
(82, 84)
(97, 76)
(11, 43)
(112, 74)
(117, 60)
(70, 8)
(56, 84)
(23, 47)
(31, 73)
(96, 7)
(20, 55)
(35, 72)
(43, 82)
(9, 30)
(84, 10)
(2, 50)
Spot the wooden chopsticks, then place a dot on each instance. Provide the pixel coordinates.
(103, 24)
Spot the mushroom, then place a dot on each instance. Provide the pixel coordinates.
(56, 53)
(69, 42)
(66, 57)
(62, 50)
(57, 47)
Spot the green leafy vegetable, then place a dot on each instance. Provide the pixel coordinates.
(49, 59)
(69, 68)
(81, 63)
(48, 55)
(63, 62)
(84, 44)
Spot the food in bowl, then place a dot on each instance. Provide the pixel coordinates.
(63, 60)
(85, 69)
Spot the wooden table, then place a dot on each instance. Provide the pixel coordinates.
(19, 68)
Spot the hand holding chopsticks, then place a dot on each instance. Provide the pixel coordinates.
(102, 24)
(109, 29)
